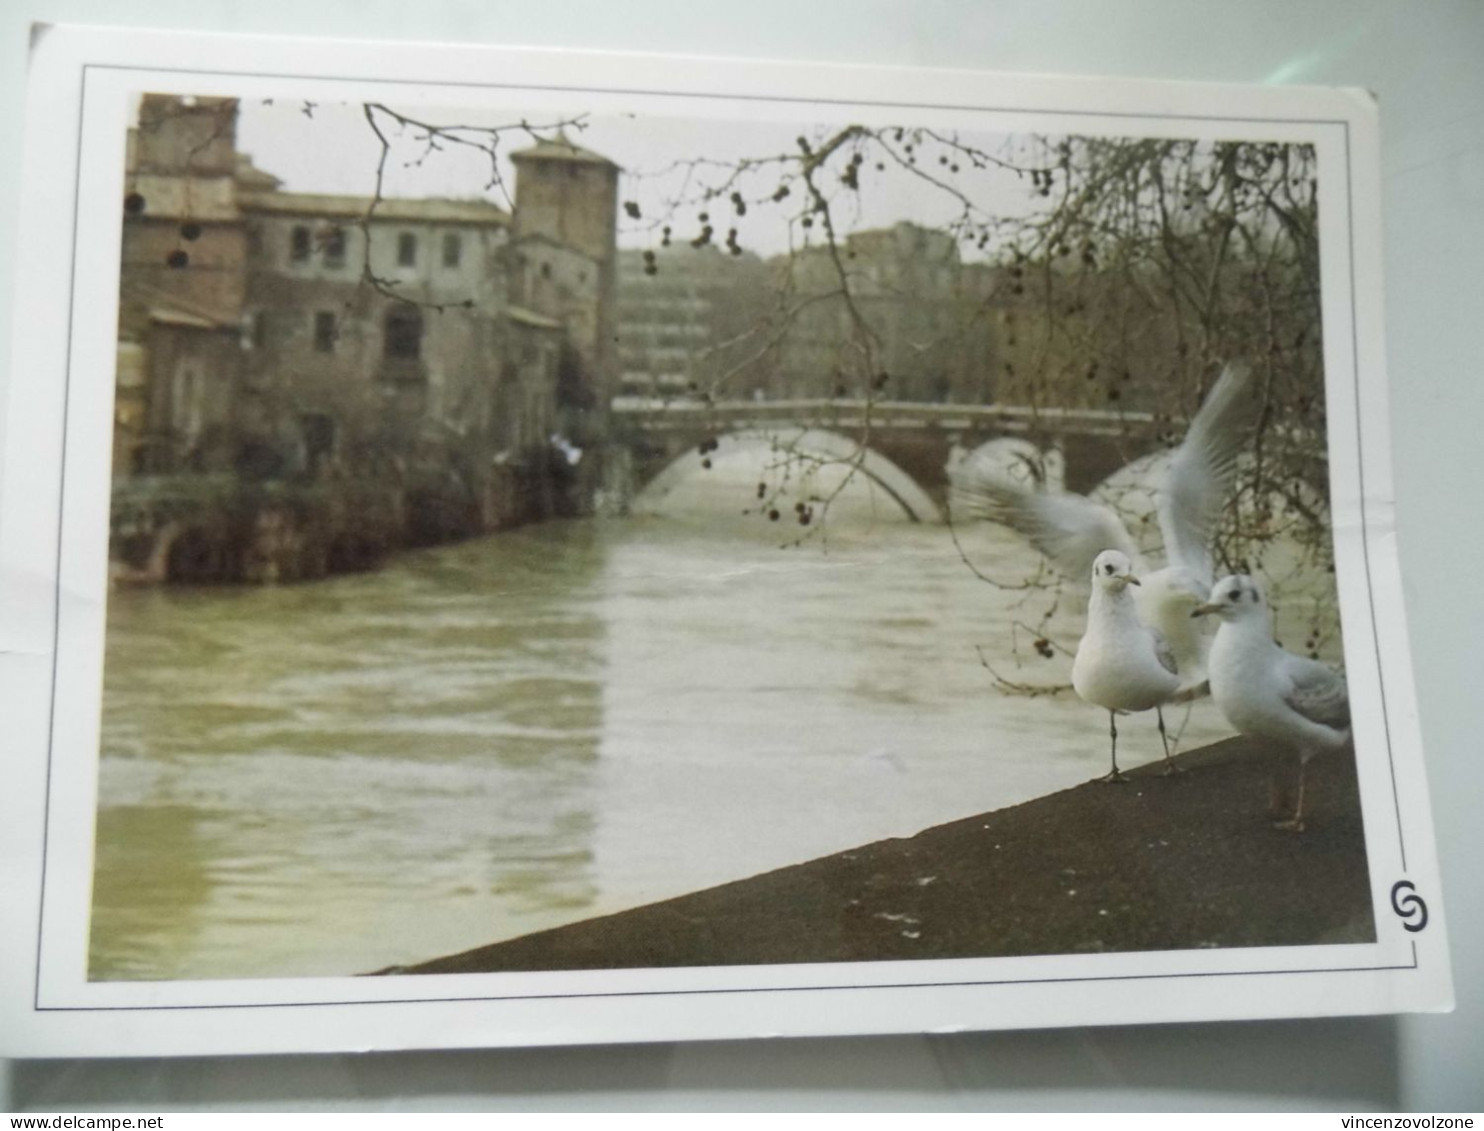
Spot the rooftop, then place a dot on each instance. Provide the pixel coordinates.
(250, 176)
(561, 148)
(165, 305)
(436, 210)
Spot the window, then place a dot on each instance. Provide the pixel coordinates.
(404, 334)
(453, 249)
(299, 244)
(406, 250)
(318, 431)
(324, 331)
(335, 247)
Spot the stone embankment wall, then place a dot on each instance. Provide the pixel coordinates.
(206, 529)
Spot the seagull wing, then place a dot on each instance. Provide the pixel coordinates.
(1200, 475)
(1317, 692)
(1071, 530)
(1164, 653)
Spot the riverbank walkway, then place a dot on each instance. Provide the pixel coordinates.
(1178, 862)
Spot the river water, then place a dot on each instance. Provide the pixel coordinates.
(492, 738)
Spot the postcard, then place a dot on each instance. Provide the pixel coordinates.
(505, 547)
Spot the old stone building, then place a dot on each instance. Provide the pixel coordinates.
(434, 346)
(363, 364)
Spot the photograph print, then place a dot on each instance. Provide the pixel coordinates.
(581, 540)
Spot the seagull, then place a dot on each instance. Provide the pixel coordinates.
(1122, 664)
(1268, 692)
(1009, 458)
(1071, 529)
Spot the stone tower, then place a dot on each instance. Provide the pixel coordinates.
(182, 282)
(183, 233)
(179, 135)
(565, 258)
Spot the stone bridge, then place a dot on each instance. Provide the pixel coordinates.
(918, 438)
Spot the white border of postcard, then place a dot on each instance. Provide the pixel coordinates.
(53, 558)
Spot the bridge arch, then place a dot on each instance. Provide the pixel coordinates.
(818, 452)
(919, 439)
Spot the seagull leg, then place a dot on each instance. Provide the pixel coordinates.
(1275, 798)
(1295, 824)
(1170, 767)
(1113, 776)
(1184, 722)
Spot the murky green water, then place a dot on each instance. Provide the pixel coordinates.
(492, 738)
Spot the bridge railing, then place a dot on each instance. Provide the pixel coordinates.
(664, 415)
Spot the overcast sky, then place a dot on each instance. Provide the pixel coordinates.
(335, 151)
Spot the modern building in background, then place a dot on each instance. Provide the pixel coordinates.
(698, 320)
(928, 331)
(693, 320)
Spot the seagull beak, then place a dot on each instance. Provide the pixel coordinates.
(1202, 610)
(1132, 580)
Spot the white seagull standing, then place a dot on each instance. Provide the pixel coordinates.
(1071, 529)
(1268, 692)
(1122, 665)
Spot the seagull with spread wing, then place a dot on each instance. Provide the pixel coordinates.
(1071, 530)
(1268, 692)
